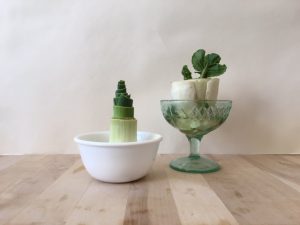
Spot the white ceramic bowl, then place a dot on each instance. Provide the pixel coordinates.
(117, 162)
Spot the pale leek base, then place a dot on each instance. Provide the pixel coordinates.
(123, 130)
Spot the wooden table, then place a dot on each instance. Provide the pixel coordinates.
(56, 189)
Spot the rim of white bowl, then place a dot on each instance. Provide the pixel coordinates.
(78, 139)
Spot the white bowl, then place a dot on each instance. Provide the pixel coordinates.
(117, 162)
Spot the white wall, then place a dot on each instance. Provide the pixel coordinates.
(60, 61)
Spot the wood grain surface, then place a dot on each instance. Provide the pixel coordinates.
(56, 189)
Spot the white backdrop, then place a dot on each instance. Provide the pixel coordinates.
(60, 61)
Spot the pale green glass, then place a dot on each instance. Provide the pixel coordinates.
(195, 118)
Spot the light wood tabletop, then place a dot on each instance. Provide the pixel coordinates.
(56, 189)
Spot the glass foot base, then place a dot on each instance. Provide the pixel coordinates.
(194, 164)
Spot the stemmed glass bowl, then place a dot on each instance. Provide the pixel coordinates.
(195, 118)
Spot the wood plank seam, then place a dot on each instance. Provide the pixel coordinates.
(37, 196)
(41, 198)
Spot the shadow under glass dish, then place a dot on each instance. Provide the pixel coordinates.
(195, 118)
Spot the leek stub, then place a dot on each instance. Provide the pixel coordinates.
(123, 130)
(123, 126)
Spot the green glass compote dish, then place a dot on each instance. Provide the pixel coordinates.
(195, 118)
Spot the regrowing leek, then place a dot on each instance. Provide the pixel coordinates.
(123, 127)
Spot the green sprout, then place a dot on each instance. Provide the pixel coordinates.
(206, 65)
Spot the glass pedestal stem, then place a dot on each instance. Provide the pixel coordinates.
(194, 163)
(194, 146)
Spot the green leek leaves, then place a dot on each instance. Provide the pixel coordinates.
(122, 98)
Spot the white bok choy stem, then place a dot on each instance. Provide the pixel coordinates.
(195, 89)
(212, 89)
